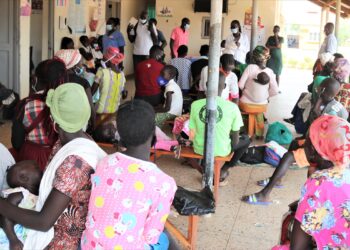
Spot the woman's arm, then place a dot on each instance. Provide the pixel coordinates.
(43, 220)
(242, 82)
(300, 239)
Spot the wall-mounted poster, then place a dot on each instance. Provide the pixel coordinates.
(293, 41)
(165, 11)
(76, 17)
(25, 8)
(60, 3)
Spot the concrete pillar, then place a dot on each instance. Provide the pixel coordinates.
(212, 90)
(337, 18)
(254, 34)
(323, 22)
(327, 14)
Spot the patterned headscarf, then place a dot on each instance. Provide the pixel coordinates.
(70, 57)
(69, 107)
(260, 54)
(113, 55)
(330, 135)
(341, 70)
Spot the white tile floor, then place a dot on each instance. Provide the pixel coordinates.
(236, 225)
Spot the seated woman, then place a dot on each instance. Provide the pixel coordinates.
(341, 72)
(33, 134)
(324, 208)
(61, 210)
(255, 94)
(131, 197)
(75, 73)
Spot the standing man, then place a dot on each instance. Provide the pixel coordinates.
(161, 38)
(330, 43)
(144, 36)
(237, 43)
(179, 36)
(328, 48)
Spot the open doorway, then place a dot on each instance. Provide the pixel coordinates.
(112, 8)
(9, 43)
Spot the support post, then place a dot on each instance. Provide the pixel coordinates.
(323, 22)
(212, 90)
(254, 31)
(337, 18)
(327, 14)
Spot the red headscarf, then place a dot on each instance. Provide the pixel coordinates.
(330, 135)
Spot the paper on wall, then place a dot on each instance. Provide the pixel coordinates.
(76, 17)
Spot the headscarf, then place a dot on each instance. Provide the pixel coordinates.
(70, 57)
(330, 136)
(113, 55)
(260, 54)
(69, 107)
(341, 70)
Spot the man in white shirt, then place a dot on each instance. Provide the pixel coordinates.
(144, 36)
(237, 43)
(330, 43)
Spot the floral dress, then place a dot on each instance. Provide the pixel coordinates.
(72, 179)
(324, 209)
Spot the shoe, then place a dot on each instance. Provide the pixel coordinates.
(289, 120)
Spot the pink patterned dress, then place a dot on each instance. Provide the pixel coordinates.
(324, 210)
(129, 204)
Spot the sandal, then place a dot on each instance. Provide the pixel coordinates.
(264, 182)
(252, 200)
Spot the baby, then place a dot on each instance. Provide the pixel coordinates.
(262, 78)
(23, 179)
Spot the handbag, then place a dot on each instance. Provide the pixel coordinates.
(254, 155)
(274, 153)
(279, 133)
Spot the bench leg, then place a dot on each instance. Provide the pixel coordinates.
(251, 124)
(217, 169)
(193, 230)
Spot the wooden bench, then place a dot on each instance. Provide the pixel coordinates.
(189, 241)
(187, 152)
(105, 145)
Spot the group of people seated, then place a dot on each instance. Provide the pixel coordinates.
(62, 191)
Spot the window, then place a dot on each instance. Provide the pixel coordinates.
(205, 27)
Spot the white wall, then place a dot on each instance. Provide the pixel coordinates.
(24, 55)
(236, 10)
(36, 26)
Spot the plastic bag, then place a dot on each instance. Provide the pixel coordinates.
(274, 153)
(253, 155)
(279, 133)
(194, 203)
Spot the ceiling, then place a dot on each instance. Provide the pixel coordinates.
(345, 6)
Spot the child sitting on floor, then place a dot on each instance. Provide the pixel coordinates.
(173, 96)
(24, 180)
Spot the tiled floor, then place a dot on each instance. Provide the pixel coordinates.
(236, 225)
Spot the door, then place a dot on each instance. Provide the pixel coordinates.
(8, 43)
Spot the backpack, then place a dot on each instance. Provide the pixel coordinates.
(279, 133)
(254, 155)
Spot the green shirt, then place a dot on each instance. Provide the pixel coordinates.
(228, 119)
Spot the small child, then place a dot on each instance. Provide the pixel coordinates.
(23, 179)
(86, 52)
(110, 81)
(173, 96)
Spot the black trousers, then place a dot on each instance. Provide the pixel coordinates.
(239, 149)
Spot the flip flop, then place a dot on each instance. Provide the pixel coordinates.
(263, 183)
(252, 200)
